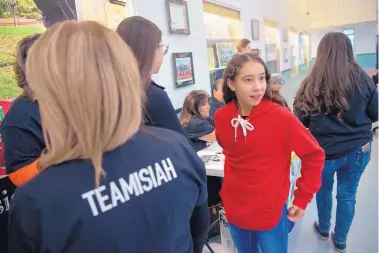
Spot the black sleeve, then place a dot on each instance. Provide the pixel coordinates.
(198, 128)
(24, 225)
(375, 78)
(372, 107)
(200, 218)
(199, 224)
(305, 120)
(21, 148)
(161, 111)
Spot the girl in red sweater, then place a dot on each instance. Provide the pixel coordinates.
(257, 135)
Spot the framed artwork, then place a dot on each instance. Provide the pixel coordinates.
(183, 69)
(225, 51)
(285, 55)
(285, 34)
(177, 13)
(255, 29)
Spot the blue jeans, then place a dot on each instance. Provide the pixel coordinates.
(271, 241)
(349, 171)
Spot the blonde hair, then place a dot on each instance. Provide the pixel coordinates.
(191, 104)
(87, 83)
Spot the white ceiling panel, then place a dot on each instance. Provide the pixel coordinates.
(330, 13)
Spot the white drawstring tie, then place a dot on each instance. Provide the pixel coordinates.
(245, 125)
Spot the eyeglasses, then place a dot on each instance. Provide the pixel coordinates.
(164, 47)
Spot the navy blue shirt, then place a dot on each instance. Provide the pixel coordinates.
(21, 133)
(197, 128)
(154, 185)
(159, 109)
(338, 137)
(215, 105)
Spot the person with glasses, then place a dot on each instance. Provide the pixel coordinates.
(145, 40)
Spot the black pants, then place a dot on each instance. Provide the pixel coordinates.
(6, 191)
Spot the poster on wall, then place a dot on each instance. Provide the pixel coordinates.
(94, 10)
(225, 51)
(285, 34)
(115, 13)
(285, 54)
(178, 21)
(255, 29)
(183, 69)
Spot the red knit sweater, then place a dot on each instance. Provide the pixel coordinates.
(257, 167)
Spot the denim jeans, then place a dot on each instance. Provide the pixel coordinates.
(271, 241)
(349, 171)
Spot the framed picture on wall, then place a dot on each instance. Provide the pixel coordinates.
(225, 51)
(285, 55)
(255, 29)
(177, 13)
(285, 34)
(183, 69)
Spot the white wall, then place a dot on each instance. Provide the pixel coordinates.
(155, 10)
(283, 12)
(365, 37)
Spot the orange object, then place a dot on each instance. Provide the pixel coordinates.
(23, 175)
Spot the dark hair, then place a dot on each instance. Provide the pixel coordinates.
(191, 104)
(215, 85)
(22, 50)
(242, 43)
(143, 37)
(232, 70)
(326, 89)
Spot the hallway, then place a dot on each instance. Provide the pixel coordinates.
(363, 236)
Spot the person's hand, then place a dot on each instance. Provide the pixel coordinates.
(295, 213)
(372, 72)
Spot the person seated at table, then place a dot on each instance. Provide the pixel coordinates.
(21, 130)
(98, 189)
(277, 82)
(217, 99)
(195, 119)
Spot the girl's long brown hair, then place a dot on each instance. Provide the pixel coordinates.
(87, 83)
(191, 104)
(143, 37)
(327, 87)
(19, 67)
(232, 70)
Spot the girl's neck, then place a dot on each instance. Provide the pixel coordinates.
(244, 110)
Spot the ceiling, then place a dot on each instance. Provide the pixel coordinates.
(331, 13)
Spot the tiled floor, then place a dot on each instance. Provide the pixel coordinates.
(363, 236)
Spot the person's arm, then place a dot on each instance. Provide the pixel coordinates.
(312, 158)
(21, 154)
(217, 119)
(201, 129)
(23, 228)
(161, 111)
(372, 107)
(209, 137)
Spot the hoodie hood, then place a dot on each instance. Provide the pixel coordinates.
(263, 107)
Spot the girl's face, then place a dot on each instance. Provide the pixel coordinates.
(250, 84)
(204, 109)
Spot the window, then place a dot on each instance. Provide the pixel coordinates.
(351, 34)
